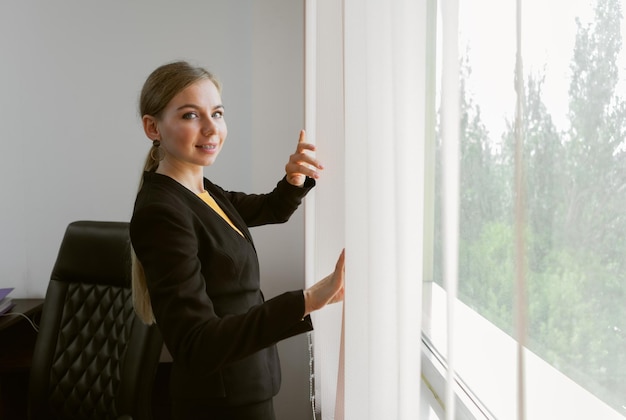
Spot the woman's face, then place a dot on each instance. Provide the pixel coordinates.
(192, 128)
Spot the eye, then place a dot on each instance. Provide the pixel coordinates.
(218, 114)
(190, 115)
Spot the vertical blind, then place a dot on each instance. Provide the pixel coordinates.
(376, 125)
(324, 207)
(450, 180)
(366, 71)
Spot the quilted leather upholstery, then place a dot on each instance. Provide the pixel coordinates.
(93, 358)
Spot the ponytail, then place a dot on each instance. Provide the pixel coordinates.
(141, 297)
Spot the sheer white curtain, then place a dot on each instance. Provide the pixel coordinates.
(366, 107)
(450, 180)
(324, 207)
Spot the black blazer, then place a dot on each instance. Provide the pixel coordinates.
(203, 280)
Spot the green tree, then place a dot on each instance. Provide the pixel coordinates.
(594, 115)
(542, 151)
(575, 215)
(576, 196)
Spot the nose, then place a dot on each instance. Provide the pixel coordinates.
(208, 127)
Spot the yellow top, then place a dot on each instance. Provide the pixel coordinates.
(206, 197)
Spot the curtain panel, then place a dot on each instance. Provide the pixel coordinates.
(366, 107)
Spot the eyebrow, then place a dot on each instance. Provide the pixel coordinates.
(220, 106)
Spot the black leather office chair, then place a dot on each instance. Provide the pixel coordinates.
(93, 358)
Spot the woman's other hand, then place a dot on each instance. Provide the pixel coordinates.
(302, 164)
(328, 290)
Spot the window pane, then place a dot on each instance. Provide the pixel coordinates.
(575, 187)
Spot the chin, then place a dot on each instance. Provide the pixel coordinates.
(208, 162)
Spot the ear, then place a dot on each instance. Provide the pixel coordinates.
(150, 127)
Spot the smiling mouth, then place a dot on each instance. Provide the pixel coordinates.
(207, 146)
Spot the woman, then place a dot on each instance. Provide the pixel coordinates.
(195, 268)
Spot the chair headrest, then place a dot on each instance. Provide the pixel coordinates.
(96, 252)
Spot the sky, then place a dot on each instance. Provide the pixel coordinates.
(487, 33)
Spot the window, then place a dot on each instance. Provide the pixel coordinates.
(574, 212)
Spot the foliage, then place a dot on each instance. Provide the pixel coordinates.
(575, 218)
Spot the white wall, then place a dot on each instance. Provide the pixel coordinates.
(277, 117)
(70, 137)
(72, 142)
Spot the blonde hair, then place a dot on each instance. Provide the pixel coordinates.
(141, 297)
(160, 87)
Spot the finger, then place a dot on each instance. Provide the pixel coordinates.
(302, 138)
(340, 268)
(303, 158)
(294, 169)
(302, 146)
(341, 261)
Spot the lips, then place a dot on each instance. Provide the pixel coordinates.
(207, 147)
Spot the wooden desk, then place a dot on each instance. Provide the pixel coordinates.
(17, 341)
(27, 307)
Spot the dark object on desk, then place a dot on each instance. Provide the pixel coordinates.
(93, 358)
(6, 302)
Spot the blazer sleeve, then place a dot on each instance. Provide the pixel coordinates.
(165, 242)
(274, 207)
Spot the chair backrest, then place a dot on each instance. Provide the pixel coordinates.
(93, 359)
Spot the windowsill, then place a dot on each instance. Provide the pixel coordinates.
(486, 360)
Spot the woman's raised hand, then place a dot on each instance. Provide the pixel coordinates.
(301, 163)
(328, 290)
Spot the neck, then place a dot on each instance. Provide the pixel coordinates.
(190, 178)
